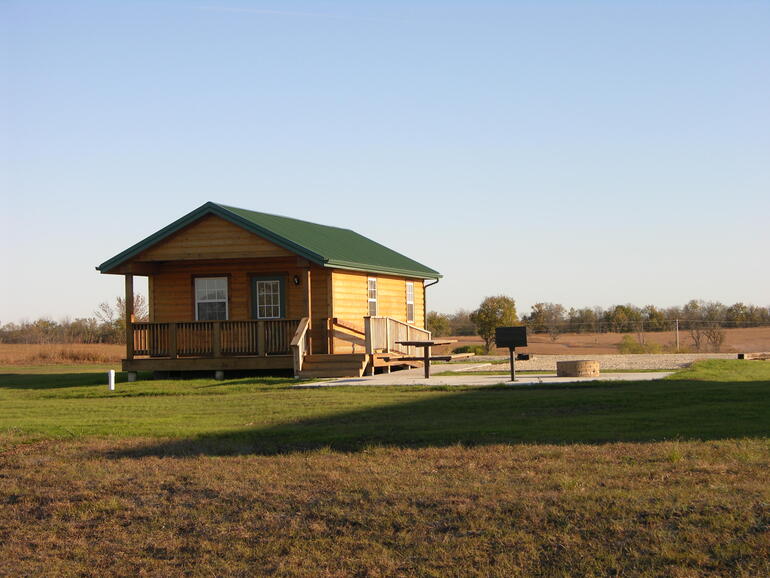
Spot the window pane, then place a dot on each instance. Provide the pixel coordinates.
(372, 308)
(208, 289)
(212, 311)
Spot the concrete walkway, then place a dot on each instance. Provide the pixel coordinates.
(416, 377)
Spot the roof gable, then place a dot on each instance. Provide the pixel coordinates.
(211, 237)
(327, 246)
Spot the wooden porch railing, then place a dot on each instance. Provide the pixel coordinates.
(300, 344)
(213, 338)
(384, 333)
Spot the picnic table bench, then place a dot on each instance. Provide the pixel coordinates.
(426, 345)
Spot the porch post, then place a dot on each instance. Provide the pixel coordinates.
(369, 345)
(309, 312)
(216, 339)
(129, 303)
(261, 338)
(172, 351)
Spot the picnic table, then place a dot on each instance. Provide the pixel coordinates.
(426, 345)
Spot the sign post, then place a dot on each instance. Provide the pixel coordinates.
(511, 337)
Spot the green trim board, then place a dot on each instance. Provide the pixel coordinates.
(331, 247)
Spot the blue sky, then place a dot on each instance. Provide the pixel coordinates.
(587, 153)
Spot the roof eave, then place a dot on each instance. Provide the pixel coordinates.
(425, 274)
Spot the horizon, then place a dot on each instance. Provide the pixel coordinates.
(588, 154)
(519, 311)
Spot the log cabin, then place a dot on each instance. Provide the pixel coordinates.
(232, 289)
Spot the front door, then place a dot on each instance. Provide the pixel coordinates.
(268, 298)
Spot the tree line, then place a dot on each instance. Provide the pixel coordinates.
(703, 320)
(106, 325)
(554, 317)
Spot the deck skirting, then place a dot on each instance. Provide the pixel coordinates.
(209, 363)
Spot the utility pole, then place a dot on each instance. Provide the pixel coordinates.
(677, 335)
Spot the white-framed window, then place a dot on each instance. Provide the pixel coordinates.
(410, 302)
(211, 298)
(268, 295)
(372, 295)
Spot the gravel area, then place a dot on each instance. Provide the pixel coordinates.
(606, 362)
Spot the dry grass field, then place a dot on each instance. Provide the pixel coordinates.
(58, 354)
(736, 341)
(92, 508)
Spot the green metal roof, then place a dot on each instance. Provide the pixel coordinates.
(327, 246)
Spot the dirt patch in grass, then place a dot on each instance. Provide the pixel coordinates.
(670, 508)
(54, 353)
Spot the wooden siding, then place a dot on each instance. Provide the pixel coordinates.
(350, 303)
(319, 288)
(212, 237)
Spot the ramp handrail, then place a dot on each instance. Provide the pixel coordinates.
(299, 344)
(384, 333)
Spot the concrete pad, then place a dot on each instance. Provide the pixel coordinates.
(415, 377)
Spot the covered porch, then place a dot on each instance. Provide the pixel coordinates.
(280, 344)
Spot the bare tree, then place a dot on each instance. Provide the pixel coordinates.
(715, 336)
(113, 317)
(697, 335)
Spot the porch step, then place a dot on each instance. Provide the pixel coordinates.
(325, 365)
(335, 357)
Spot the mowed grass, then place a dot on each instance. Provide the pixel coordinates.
(714, 400)
(255, 477)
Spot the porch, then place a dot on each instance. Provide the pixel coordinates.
(276, 344)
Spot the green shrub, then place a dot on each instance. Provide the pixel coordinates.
(475, 349)
(630, 345)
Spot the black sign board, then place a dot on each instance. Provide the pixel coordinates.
(511, 337)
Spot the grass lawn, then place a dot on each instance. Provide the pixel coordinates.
(253, 476)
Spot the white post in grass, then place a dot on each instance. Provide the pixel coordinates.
(111, 379)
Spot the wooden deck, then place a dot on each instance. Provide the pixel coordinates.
(276, 344)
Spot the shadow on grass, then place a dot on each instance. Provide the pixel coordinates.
(55, 380)
(598, 412)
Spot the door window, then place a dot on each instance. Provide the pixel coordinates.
(268, 295)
